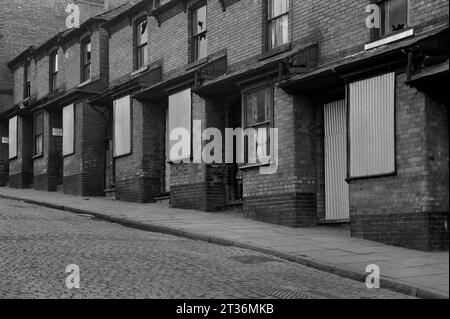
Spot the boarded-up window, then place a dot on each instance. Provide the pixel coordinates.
(13, 137)
(68, 130)
(371, 124)
(122, 126)
(180, 117)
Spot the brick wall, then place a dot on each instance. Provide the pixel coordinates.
(121, 50)
(139, 175)
(23, 24)
(84, 170)
(407, 209)
(48, 168)
(21, 167)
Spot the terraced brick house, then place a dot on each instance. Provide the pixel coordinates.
(361, 113)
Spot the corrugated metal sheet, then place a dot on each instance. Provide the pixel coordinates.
(372, 118)
(336, 188)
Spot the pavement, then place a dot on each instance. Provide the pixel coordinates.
(329, 249)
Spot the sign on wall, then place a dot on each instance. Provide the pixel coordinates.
(57, 132)
(5, 140)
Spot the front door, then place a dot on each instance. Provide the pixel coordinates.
(337, 206)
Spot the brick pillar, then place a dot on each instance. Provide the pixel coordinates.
(21, 167)
(48, 167)
(84, 171)
(188, 180)
(139, 175)
(4, 165)
(289, 196)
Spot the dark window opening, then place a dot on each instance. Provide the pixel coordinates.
(53, 71)
(27, 81)
(199, 34)
(86, 54)
(278, 23)
(141, 32)
(394, 16)
(38, 134)
(258, 115)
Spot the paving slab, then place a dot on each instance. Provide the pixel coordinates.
(422, 274)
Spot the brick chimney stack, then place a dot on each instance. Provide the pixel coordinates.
(111, 4)
(89, 8)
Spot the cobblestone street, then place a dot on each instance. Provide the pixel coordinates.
(37, 244)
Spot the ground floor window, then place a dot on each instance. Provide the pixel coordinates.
(258, 116)
(371, 126)
(122, 126)
(38, 133)
(12, 139)
(68, 130)
(180, 126)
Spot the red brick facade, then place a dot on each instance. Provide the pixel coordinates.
(325, 53)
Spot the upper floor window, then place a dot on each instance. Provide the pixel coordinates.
(27, 80)
(199, 33)
(86, 49)
(53, 71)
(278, 23)
(394, 16)
(141, 44)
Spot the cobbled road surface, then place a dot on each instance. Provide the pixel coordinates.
(37, 244)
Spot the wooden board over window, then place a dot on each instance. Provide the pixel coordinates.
(180, 117)
(122, 126)
(13, 137)
(68, 130)
(371, 124)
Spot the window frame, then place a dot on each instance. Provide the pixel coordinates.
(268, 123)
(195, 37)
(38, 115)
(85, 65)
(267, 21)
(139, 47)
(130, 151)
(26, 80)
(53, 71)
(378, 33)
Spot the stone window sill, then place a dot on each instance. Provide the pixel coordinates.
(84, 83)
(392, 38)
(275, 51)
(139, 71)
(37, 156)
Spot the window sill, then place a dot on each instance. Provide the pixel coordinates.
(123, 155)
(84, 83)
(359, 178)
(13, 158)
(250, 166)
(392, 38)
(37, 156)
(275, 51)
(68, 155)
(197, 63)
(139, 71)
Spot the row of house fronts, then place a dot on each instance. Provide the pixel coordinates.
(361, 112)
